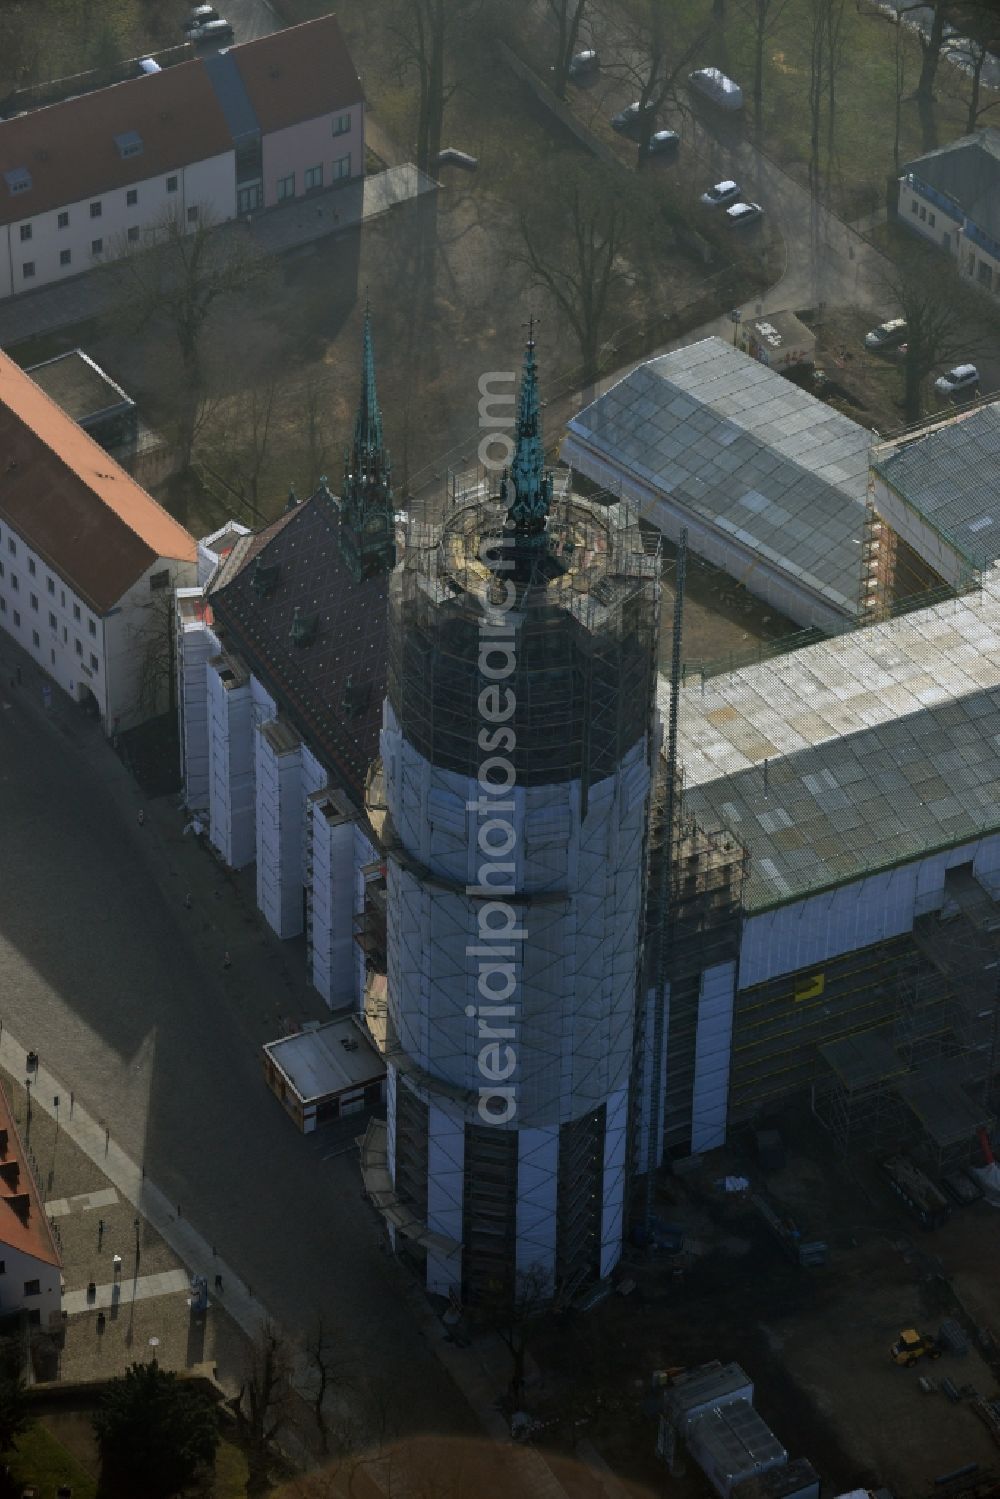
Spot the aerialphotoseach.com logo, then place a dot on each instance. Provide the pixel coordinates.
(499, 932)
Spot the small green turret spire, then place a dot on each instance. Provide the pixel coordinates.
(527, 486)
(366, 511)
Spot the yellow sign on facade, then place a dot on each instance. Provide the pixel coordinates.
(810, 988)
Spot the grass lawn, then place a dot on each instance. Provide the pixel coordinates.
(230, 1472)
(39, 1458)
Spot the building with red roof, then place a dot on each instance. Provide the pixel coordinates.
(30, 1262)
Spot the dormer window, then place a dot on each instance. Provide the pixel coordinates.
(18, 180)
(129, 144)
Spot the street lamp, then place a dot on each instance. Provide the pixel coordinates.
(737, 318)
(137, 1224)
(27, 1089)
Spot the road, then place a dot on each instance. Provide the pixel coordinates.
(122, 992)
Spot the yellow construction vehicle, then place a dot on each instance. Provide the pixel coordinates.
(911, 1345)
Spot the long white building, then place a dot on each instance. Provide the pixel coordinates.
(88, 560)
(100, 174)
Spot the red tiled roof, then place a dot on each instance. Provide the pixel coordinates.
(70, 150)
(23, 1222)
(72, 504)
(298, 74)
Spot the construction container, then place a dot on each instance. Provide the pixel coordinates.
(796, 1480)
(927, 1204)
(732, 1443)
(708, 1387)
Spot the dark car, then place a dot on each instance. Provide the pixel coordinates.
(628, 120)
(663, 143)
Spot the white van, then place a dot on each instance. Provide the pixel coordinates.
(717, 88)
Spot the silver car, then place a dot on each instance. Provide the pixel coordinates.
(962, 379)
(721, 194)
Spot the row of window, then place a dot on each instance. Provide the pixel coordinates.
(95, 664)
(97, 207)
(930, 218)
(312, 178)
(50, 584)
(97, 246)
(341, 124)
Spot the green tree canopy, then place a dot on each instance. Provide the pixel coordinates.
(14, 1412)
(154, 1432)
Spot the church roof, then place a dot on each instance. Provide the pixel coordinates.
(330, 684)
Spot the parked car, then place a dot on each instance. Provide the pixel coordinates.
(713, 85)
(582, 64)
(721, 194)
(663, 143)
(628, 120)
(212, 31)
(148, 65)
(744, 213)
(886, 335)
(199, 15)
(964, 377)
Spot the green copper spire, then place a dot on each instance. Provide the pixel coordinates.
(527, 486)
(366, 512)
(368, 423)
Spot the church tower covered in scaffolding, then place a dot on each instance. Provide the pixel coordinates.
(519, 736)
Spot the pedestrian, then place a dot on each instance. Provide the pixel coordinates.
(117, 1264)
(227, 961)
(178, 1210)
(187, 901)
(142, 817)
(218, 1283)
(71, 1102)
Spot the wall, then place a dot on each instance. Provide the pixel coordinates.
(713, 1048)
(760, 577)
(857, 915)
(231, 785)
(932, 222)
(312, 143)
(208, 185)
(138, 637)
(19, 1268)
(195, 644)
(332, 901)
(278, 782)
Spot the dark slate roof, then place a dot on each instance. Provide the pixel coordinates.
(308, 682)
(968, 172)
(231, 94)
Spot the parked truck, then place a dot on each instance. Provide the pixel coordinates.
(808, 1252)
(925, 1201)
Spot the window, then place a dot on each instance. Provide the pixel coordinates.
(92, 627)
(17, 619)
(923, 213)
(79, 647)
(193, 215)
(62, 597)
(94, 663)
(3, 606)
(76, 611)
(25, 232)
(15, 582)
(32, 1288)
(96, 246)
(931, 220)
(95, 210)
(131, 197)
(3, 1267)
(133, 235)
(50, 584)
(341, 124)
(313, 178)
(341, 168)
(28, 269)
(12, 546)
(286, 187)
(35, 640)
(171, 184)
(65, 256)
(52, 620)
(64, 634)
(63, 221)
(914, 205)
(34, 602)
(1, 569)
(159, 580)
(31, 566)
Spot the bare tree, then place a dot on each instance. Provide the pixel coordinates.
(648, 62)
(423, 30)
(764, 16)
(180, 278)
(946, 318)
(315, 406)
(233, 453)
(930, 47)
(330, 1369)
(153, 645)
(825, 33)
(263, 1405)
(513, 1312)
(568, 16)
(580, 267)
